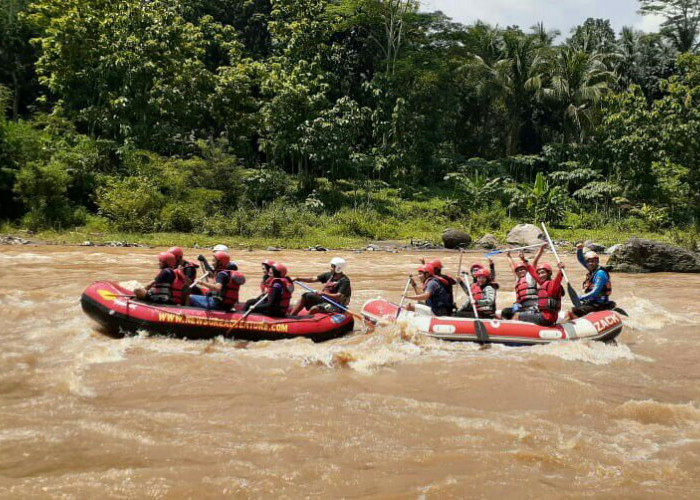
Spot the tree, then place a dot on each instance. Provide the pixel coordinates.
(573, 82)
(682, 23)
(594, 35)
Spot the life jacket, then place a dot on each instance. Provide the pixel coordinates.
(332, 287)
(228, 296)
(162, 291)
(588, 284)
(548, 298)
(443, 299)
(287, 290)
(189, 268)
(178, 287)
(526, 291)
(478, 294)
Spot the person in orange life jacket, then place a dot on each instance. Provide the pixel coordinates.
(160, 289)
(484, 293)
(279, 289)
(266, 275)
(525, 285)
(336, 286)
(549, 294)
(223, 293)
(437, 292)
(597, 287)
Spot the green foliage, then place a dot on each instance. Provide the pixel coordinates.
(131, 203)
(539, 201)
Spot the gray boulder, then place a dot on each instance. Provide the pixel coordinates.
(611, 250)
(454, 238)
(647, 256)
(488, 242)
(596, 247)
(525, 234)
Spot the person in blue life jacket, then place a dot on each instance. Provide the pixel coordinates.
(223, 292)
(159, 290)
(437, 292)
(597, 286)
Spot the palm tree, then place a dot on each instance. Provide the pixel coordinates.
(573, 82)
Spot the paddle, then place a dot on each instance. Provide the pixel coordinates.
(620, 310)
(199, 280)
(246, 314)
(334, 303)
(572, 293)
(496, 252)
(403, 297)
(205, 264)
(479, 327)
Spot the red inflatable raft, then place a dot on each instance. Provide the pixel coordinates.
(603, 326)
(115, 309)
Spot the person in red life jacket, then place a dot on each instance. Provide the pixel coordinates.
(597, 286)
(336, 286)
(159, 290)
(484, 293)
(278, 292)
(549, 294)
(476, 266)
(263, 284)
(188, 270)
(223, 293)
(437, 292)
(525, 285)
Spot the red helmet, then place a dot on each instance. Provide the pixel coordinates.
(167, 258)
(280, 268)
(268, 263)
(436, 264)
(176, 251)
(222, 258)
(429, 268)
(520, 265)
(483, 272)
(422, 269)
(475, 267)
(546, 267)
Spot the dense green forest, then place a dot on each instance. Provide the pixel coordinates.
(360, 118)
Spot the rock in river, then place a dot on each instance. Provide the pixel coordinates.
(647, 256)
(454, 238)
(525, 234)
(488, 241)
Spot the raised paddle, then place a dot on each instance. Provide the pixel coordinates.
(496, 252)
(246, 313)
(479, 327)
(403, 297)
(572, 293)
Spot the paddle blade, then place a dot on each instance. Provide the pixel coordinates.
(574, 296)
(619, 310)
(491, 254)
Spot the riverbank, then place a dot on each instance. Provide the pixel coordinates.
(316, 238)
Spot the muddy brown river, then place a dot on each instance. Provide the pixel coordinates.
(385, 415)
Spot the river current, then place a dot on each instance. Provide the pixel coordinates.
(388, 414)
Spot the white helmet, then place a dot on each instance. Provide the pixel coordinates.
(338, 263)
(591, 256)
(220, 248)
